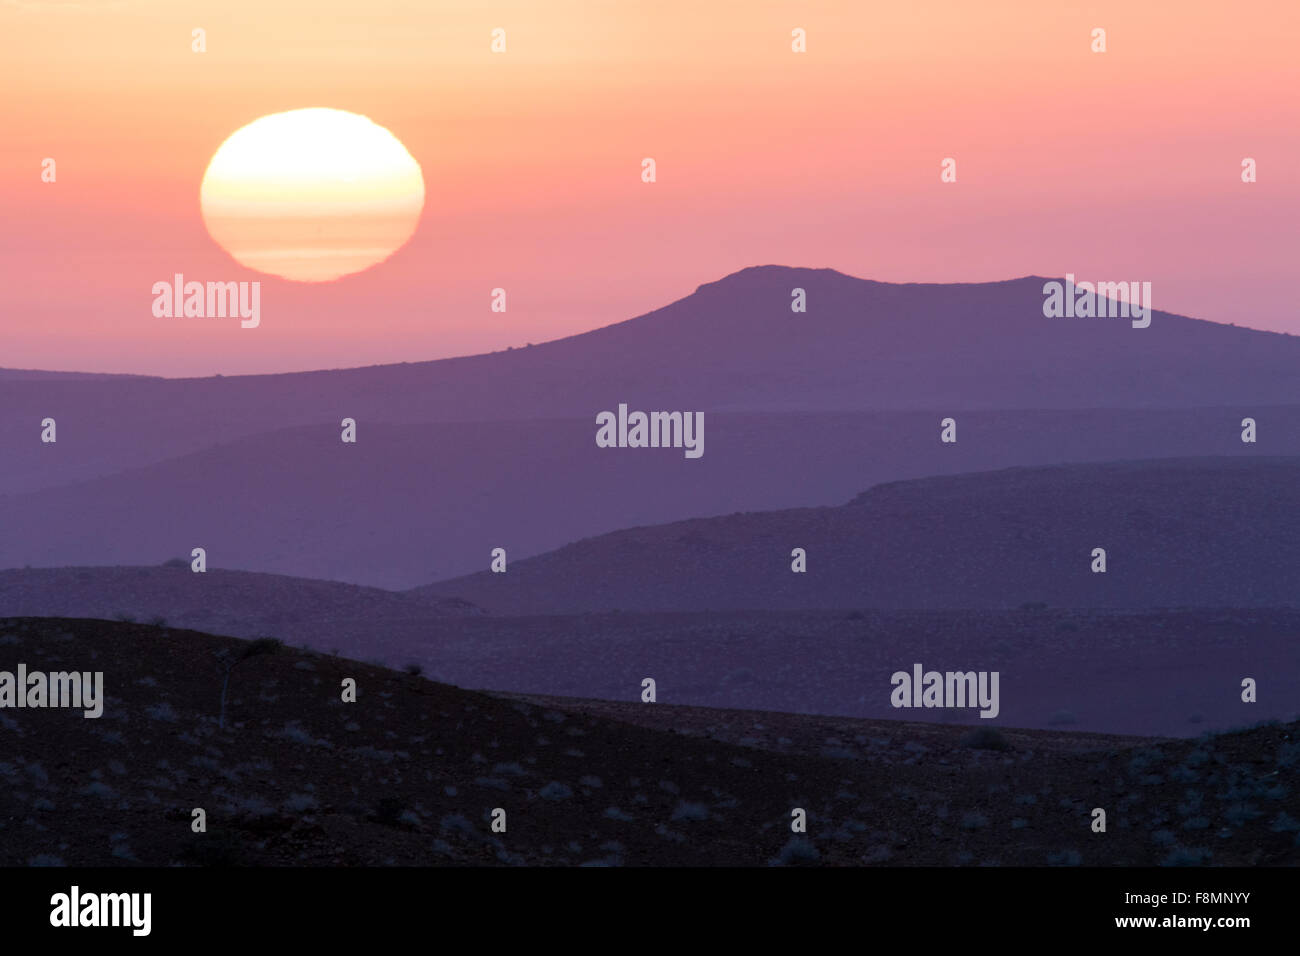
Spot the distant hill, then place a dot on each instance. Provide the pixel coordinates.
(1148, 672)
(410, 504)
(1177, 533)
(237, 603)
(457, 457)
(732, 345)
(39, 375)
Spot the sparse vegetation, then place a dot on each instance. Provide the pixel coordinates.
(690, 811)
(298, 788)
(1187, 856)
(796, 850)
(986, 738)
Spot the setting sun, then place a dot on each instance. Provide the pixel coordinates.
(312, 194)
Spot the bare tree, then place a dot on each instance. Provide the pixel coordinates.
(230, 660)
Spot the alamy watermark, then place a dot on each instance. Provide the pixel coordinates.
(1103, 300)
(951, 689)
(80, 690)
(208, 300)
(651, 430)
(75, 908)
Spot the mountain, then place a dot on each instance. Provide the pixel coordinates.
(732, 345)
(38, 375)
(410, 504)
(1177, 533)
(457, 457)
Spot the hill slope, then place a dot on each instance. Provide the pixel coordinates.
(235, 603)
(1177, 533)
(733, 344)
(411, 772)
(410, 504)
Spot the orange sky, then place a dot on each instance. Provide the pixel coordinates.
(1122, 165)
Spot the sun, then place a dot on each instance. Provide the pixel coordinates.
(312, 194)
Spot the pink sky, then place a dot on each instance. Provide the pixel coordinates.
(1122, 165)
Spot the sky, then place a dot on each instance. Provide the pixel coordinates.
(1122, 165)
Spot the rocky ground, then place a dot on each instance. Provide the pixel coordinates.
(411, 772)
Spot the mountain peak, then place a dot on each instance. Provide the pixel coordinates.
(771, 272)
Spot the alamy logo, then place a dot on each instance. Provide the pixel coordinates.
(103, 909)
(195, 300)
(84, 691)
(951, 689)
(1104, 300)
(653, 430)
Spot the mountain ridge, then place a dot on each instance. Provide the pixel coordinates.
(763, 272)
(994, 539)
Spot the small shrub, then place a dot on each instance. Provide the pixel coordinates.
(219, 848)
(985, 738)
(261, 645)
(1288, 754)
(1186, 856)
(389, 811)
(1285, 824)
(457, 823)
(690, 811)
(797, 850)
(1239, 813)
(300, 802)
(161, 711)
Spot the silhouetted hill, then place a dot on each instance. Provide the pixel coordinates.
(237, 603)
(1180, 673)
(412, 772)
(733, 344)
(410, 504)
(40, 375)
(1177, 533)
